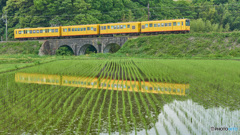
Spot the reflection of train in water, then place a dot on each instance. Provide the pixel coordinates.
(98, 83)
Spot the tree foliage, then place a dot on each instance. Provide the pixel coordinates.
(223, 14)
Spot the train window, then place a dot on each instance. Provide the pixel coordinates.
(187, 22)
(65, 30)
(46, 30)
(41, 31)
(124, 26)
(16, 32)
(19, 32)
(166, 24)
(155, 88)
(118, 27)
(84, 29)
(81, 29)
(143, 26)
(155, 25)
(178, 24)
(159, 25)
(146, 87)
(133, 27)
(37, 31)
(108, 27)
(88, 28)
(52, 30)
(150, 88)
(178, 90)
(115, 85)
(174, 90)
(174, 23)
(72, 29)
(121, 27)
(105, 27)
(112, 27)
(150, 25)
(162, 24)
(182, 23)
(33, 31)
(166, 89)
(91, 28)
(69, 29)
(95, 29)
(115, 27)
(128, 26)
(146, 25)
(101, 27)
(76, 29)
(169, 89)
(170, 24)
(88, 83)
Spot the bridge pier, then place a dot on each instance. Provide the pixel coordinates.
(79, 45)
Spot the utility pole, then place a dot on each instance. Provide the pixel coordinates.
(148, 11)
(4, 17)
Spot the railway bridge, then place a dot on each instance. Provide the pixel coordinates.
(80, 45)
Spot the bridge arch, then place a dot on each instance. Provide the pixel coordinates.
(64, 50)
(111, 48)
(87, 49)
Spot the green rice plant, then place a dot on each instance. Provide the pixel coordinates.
(129, 100)
(83, 113)
(136, 99)
(143, 101)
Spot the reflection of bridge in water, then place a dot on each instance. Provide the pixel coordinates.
(102, 83)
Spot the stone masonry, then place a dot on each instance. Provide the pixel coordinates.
(79, 45)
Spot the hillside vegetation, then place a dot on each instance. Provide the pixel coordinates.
(28, 47)
(184, 45)
(214, 15)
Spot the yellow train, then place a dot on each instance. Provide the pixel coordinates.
(101, 83)
(109, 29)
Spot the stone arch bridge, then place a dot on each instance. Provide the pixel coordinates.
(79, 45)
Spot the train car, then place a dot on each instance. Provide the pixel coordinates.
(124, 85)
(37, 33)
(120, 28)
(162, 26)
(164, 88)
(80, 30)
(84, 82)
(37, 78)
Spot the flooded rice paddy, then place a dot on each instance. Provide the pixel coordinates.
(210, 106)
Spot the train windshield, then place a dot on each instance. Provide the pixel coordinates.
(187, 22)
